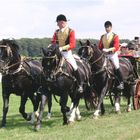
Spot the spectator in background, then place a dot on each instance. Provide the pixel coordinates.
(124, 49)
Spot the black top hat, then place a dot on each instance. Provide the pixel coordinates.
(61, 18)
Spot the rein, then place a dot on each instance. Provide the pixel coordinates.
(51, 57)
(17, 70)
(103, 67)
(59, 69)
(6, 69)
(97, 59)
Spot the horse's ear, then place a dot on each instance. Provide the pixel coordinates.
(88, 43)
(80, 42)
(95, 45)
(43, 50)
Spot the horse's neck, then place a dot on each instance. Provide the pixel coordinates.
(98, 62)
(15, 63)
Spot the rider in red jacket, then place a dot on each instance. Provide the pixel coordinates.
(109, 43)
(65, 38)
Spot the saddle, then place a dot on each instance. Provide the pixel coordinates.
(68, 69)
(124, 64)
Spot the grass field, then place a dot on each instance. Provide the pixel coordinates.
(111, 126)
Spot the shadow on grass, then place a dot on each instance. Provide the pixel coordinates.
(17, 121)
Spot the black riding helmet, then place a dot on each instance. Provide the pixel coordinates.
(107, 24)
(61, 18)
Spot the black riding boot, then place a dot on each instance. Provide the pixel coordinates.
(79, 80)
(120, 79)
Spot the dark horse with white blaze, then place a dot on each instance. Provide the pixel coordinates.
(103, 74)
(21, 77)
(60, 80)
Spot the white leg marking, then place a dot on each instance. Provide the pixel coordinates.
(117, 107)
(96, 113)
(77, 113)
(72, 115)
(49, 115)
(129, 108)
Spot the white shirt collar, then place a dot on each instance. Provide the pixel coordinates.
(62, 30)
(108, 34)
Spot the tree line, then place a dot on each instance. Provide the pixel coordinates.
(32, 47)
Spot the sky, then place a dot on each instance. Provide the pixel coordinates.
(37, 18)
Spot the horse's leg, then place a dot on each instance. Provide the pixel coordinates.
(129, 105)
(49, 98)
(22, 108)
(35, 99)
(117, 102)
(101, 97)
(75, 112)
(130, 96)
(111, 98)
(102, 108)
(64, 99)
(5, 108)
(41, 110)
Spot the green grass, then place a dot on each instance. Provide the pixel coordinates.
(111, 126)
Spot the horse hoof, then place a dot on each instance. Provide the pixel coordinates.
(70, 122)
(37, 128)
(118, 112)
(2, 127)
(78, 118)
(129, 110)
(49, 115)
(31, 121)
(29, 117)
(95, 117)
(65, 123)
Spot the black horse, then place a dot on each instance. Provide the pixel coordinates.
(103, 74)
(21, 77)
(60, 80)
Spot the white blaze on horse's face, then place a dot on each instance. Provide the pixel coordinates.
(9, 51)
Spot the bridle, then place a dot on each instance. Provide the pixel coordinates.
(6, 69)
(91, 53)
(57, 68)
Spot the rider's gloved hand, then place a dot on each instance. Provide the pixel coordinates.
(106, 50)
(64, 48)
(60, 49)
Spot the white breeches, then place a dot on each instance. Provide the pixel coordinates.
(69, 57)
(115, 59)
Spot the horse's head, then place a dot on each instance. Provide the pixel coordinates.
(132, 46)
(86, 50)
(92, 54)
(8, 54)
(51, 57)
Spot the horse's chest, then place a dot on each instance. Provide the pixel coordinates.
(19, 82)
